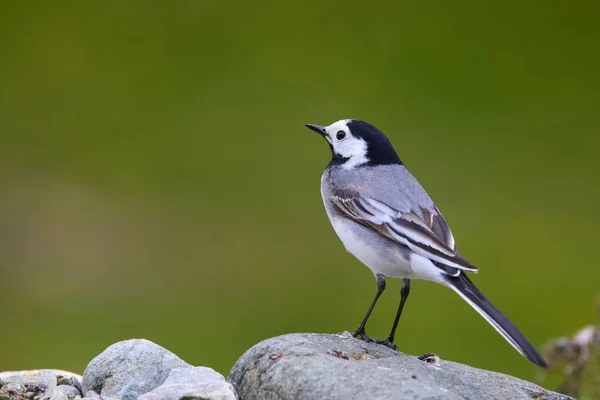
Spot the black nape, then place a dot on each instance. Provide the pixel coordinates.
(380, 150)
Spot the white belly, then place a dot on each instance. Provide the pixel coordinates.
(373, 250)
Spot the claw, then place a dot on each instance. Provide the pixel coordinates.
(387, 343)
(360, 333)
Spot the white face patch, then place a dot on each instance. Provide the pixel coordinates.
(350, 147)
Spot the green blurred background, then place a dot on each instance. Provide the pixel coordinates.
(157, 180)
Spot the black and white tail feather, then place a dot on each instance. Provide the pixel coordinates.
(462, 285)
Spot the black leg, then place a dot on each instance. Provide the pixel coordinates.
(360, 331)
(404, 292)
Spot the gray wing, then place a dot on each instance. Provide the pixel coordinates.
(391, 202)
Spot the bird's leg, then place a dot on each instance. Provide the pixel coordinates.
(404, 292)
(360, 331)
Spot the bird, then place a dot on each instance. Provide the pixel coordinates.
(385, 219)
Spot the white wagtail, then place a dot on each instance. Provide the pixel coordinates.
(386, 220)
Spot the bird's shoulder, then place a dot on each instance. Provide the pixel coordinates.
(392, 186)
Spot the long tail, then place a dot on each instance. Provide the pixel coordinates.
(462, 285)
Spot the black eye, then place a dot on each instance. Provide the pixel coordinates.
(340, 135)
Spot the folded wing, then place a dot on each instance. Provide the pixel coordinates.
(423, 231)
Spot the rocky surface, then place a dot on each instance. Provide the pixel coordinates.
(141, 369)
(295, 366)
(190, 382)
(313, 366)
(44, 384)
(130, 368)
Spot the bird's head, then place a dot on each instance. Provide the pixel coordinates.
(357, 143)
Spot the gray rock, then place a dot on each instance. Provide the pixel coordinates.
(35, 383)
(56, 394)
(70, 391)
(69, 380)
(313, 366)
(198, 382)
(58, 372)
(132, 367)
(91, 394)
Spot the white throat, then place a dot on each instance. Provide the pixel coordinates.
(356, 154)
(350, 147)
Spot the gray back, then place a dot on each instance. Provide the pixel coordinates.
(390, 184)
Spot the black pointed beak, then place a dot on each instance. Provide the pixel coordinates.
(317, 128)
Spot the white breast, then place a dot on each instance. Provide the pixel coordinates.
(373, 250)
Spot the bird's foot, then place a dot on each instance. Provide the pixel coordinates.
(387, 343)
(362, 335)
